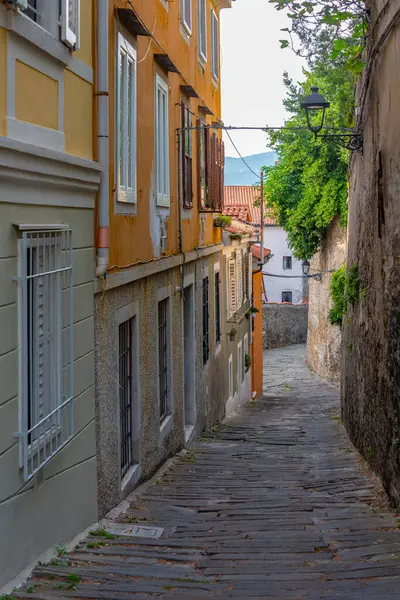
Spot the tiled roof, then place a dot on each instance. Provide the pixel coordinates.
(238, 211)
(246, 195)
(256, 252)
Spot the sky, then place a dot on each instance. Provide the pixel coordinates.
(252, 65)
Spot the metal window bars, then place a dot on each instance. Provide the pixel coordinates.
(47, 386)
(125, 394)
(163, 357)
(217, 310)
(32, 11)
(206, 337)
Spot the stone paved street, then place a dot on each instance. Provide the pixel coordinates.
(271, 505)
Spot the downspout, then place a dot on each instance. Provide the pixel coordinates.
(103, 239)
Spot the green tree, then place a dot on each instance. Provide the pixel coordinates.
(308, 186)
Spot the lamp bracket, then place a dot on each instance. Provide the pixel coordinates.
(351, 141)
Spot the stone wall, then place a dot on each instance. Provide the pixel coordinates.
(284, 325)
(324, 340)
(371, 359)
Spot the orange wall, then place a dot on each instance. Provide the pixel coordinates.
(257, 341)
(130, 236)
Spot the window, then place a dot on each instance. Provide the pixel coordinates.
(202, 18)
(240, 363)
(230, 376)
(203, 153)
(162, 142)
(206, 336)
(217, 309)
(287, 262)
(163, 357)
(287, 297)
(126, 127)
(239, 259)
(214, 45)
(186, 12)
(186, 150)
(232, 299)
(46, 13)
(46, 346)
(125, 363)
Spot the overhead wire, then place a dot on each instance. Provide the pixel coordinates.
(240, 155)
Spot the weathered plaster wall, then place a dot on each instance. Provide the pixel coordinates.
(284, 325)
(371, 359)
(324, 340)
(154, 447)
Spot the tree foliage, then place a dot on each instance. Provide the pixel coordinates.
(345, 290)
(327, 30)
(308, 186)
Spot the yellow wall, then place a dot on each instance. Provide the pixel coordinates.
(78, 115)
(130, 236)
(85, 52)
(3, 80)
(40, 104)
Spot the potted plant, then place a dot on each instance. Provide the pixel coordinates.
(232, 334)
(247, 361)
(222, 221)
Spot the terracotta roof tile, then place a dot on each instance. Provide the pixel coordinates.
(256, 252)
(246, 195)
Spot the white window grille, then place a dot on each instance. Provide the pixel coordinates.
(186, 14)
(214, 45)
(250, 275)
(127, 118)
(46, 316)
(230, 376)
(246, 344)
(125, 366)
(239, 258)
(202, 33)
(162, 142)
(70, 11)
(240, 363)
(232, 298)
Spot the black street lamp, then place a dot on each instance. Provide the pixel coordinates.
(313, 104)
(316, 103)
(306, 267)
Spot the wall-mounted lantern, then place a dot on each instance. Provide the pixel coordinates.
(315, 105)
(306, 267)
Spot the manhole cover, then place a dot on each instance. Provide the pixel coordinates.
(134, 530)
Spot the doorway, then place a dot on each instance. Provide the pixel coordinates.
(189, 360)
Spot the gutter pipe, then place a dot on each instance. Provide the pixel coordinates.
(103, 241)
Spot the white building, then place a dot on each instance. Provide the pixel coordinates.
(288, 285)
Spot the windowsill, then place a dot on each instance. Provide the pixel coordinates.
(125, 207)
(215, 82)
(202, 60)
(218, 348)
(185, 32)
(131, 478)
(165, 427)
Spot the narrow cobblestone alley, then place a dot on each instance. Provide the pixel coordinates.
(271, 505)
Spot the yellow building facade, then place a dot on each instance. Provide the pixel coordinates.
(160, 293)
(48, 185)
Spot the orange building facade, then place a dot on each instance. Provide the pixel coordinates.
(160, 362)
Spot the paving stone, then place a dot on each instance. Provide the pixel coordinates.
(272, 505)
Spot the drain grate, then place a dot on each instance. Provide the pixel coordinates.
(134, 530)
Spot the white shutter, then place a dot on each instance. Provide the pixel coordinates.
(232, 301)
(239, 279)
(70, 11)
(250, 283)
(162, 142)
(214, 45)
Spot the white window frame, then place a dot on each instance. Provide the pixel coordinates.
(56, 427)
(187, 19)
(125, 192)
(130, 311)
(284, 263)
(166, 424)
(161, 145)
(230, 377)
(231, 286)
(202, 36)
(240, 364)
(68, 36)
(214, 51)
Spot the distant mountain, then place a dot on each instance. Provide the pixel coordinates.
(236, 172)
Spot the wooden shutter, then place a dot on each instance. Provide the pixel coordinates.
(208, 165)
(232, 300)
(222, 174)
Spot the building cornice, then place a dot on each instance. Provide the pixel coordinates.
(38, 167)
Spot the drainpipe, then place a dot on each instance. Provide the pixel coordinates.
(103, 242)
